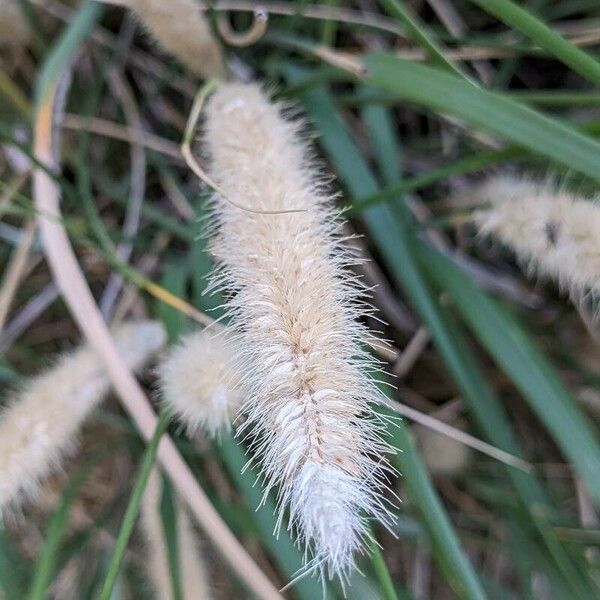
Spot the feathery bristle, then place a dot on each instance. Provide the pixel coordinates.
(192, 571)
(40, 424)
(182, 30)
(295, 308)
(198, 384)
(553, 232)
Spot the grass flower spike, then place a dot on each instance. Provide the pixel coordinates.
(198, 383)
(295, 308)
(40, 424)
(182, 30)
(553, 232)
(192, 571)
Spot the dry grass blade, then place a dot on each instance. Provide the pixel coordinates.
(136, 191)
(14, 271)
(121, 132)
(192, 163)
(460, 436)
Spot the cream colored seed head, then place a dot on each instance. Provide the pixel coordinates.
(192, 570)
(198, 383)
(182, 30)
(41, 423)
(553, 232)
(442, 455)
(14, 29)
(295, 308)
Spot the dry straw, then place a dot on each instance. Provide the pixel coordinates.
(192, 571)
(295, 307)
(182, 30)
(40, 424)
(553, 232)
(198, 383)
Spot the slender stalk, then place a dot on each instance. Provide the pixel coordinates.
(381, 572)
(133, 508)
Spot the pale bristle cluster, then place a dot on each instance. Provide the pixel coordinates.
(14, 29)
(183, 31)
(198, 383)
(41, 422)
(294, 308)
(554, 233)
(194, 582)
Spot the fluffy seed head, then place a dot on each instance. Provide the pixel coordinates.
(553, 232)
(193, 576)
(294, 307)
(182, 30)
(198, 382)
(40, 424)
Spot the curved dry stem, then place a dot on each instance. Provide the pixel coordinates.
(137, 190)
(17, 265)
(257, 29)
(125, 133)
(74, 288)
(192, 163)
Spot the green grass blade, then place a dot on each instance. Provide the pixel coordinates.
(515, 353)
(544, 36)
(168, 513)
(11, 570)
(455, 564)
(490, 111)
(380, 127)
(418, 32)
(381, 572)
(174, 280)
(14, 95)
(133, 508)
(470, 163)
(84, 20)
(48, 558)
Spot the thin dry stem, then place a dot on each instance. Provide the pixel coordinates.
(122, 132)
(137, 189)
(244, 38)
(15, 269)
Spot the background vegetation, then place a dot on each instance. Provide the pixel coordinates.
(412, 102)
